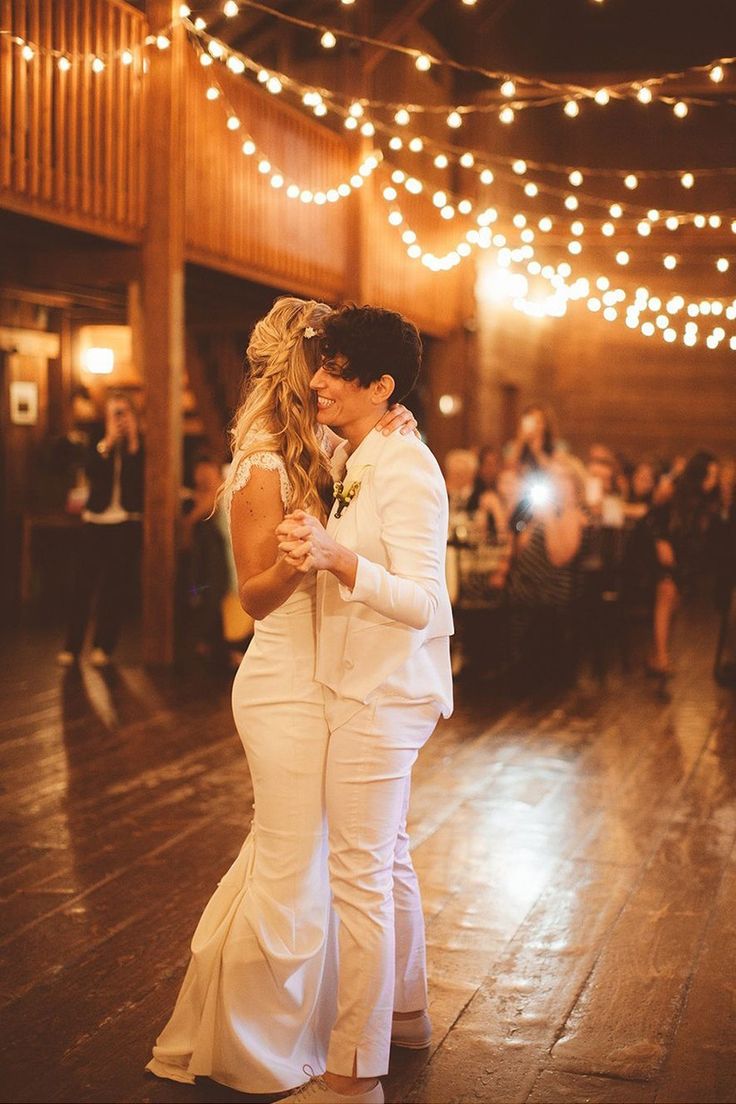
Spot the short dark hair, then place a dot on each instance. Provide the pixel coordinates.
(376, 342)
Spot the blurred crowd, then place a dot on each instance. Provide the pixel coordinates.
(554, 560)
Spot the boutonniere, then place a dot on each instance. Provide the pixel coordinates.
(345, 493)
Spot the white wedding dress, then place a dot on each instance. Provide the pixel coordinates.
(258, 1000)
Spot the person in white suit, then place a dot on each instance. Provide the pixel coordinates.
(383, 626)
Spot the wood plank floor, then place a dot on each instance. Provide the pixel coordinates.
(576, 857)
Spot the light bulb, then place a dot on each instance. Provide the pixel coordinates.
(723, 264)
(508, 89)
(672, 222)
(531, 189)
(622, 257)
(396, 218)
(440, 161)
(700, 221)
(615, 210)
(467, 160)
(350, 123)
(248, 147)
(572, 108)
(486, 177)
(717, 74)
(163, 42)
(402, 117)
(199, 23)
(230, 9)
(439, 199)
(328, 40)
(98, 65)
(687, 180)
(184, 11)
(575, 178)
(395, 143)
(454, 120)
(274, 85)
(320, 108)
(416, 145)
(356, 109)
(236, 65)
(602, 96)
(277, 180)
(577, 228)
(212, 93)
(644, 228)
(127, 57)
(368, 130)
(423, 63)
(408, 237)
(714, 221)
(64, 64)
(28, 53)
(264, 166)
(448, 212)
(653, 214)
(216, 48)
(506, 115)
(670, 262)
(545, 224)
(644, 95)
(572, 203)
(263, 75)
(465, 206)
(574, 247)
(519, 167)
(680, 109)
(631, 181)
(205, 59)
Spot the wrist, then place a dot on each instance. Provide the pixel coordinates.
(344, 565)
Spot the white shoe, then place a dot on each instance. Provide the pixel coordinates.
(66, 659)
(317, 1091)
(414, 1034)
(98, 658)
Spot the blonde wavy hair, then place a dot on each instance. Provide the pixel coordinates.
(277, 409)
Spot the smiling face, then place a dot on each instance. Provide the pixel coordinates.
(343, 403)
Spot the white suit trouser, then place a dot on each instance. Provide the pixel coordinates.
(382, 965)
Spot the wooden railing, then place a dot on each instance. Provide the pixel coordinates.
(70, 137)
(72, 150)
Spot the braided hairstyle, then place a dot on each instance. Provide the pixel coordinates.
(277, 408)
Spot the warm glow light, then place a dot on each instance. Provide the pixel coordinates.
(602, 96)
(467, 160)
(230, 9)
(486, 177)
(402, 117)
(274, 85)
(98, 65)
(644, 228)
(687, 180)
(545, 224)
(717, 74)
(680, 109)
(622, 257)
(506, 115)
(575, 178)
(440, 161)
(212, 92)
(723, 264)
(714, 221)
(416, 145)
(328, 40)
(233, 122)
(454, 120)
(631, 181)
(127, 58)
(508, 89)
(184, 11)
(572, 203)
(615, 210)
(277, 180)
(28, 53)
(519, 167)
(236, 65)
(670, 262)
(423, 63)
(672, 222)
(248, 147)
(368, 130)
(531, 189)
(64, 64)
(644, 95)
(99, 362)
(572, 108)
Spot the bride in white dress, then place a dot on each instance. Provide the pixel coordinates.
(257, 1002)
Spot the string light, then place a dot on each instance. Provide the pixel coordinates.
(572, 108)
(328, 40)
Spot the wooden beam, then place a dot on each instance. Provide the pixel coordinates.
(394, 31)
(163, 333)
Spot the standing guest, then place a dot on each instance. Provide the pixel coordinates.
(205, 538)
(383, 657)
(535, 443)
(109, 537)
(486, 476)
(681, 529)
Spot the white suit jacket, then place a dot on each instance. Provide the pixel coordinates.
(392, 630)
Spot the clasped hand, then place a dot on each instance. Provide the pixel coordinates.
(304, 542)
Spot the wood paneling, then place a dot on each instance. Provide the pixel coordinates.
(70, 142)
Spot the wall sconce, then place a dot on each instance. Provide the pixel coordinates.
(450, 404)
(99, 362)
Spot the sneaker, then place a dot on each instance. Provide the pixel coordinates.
(98, 658)
(67, 659)
(317, 1091)
(414, 1034)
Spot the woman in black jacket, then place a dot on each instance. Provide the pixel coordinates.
(109, 536)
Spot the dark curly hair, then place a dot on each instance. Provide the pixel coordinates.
(376, 342)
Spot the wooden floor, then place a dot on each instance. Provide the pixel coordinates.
(576, 858)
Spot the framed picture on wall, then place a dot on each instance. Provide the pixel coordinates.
(23, 402)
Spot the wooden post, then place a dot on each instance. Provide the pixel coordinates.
(163, 329)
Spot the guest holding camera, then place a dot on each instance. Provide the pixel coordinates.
(109, 536)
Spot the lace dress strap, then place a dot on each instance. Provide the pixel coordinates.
(268, 461)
